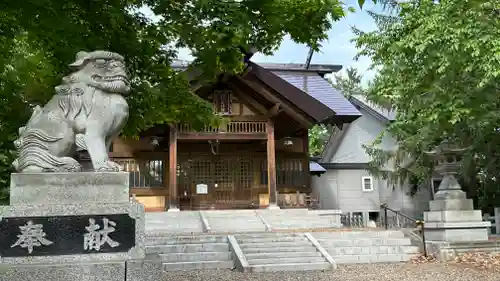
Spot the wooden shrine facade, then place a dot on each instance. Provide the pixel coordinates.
(254, 161)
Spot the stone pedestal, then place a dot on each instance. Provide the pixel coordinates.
(452, 217)
(83, 226)
(273, 207)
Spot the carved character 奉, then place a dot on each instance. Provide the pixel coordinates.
(87, 112)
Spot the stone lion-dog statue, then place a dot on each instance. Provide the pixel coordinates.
(86, 113)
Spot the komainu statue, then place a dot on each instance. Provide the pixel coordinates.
(86, 113)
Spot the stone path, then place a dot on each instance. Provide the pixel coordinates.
(371, 272)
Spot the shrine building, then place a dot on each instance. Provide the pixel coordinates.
(259, 159)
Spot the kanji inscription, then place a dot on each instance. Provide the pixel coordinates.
(66, 235)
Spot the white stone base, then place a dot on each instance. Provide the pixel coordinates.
(173, 210)
(456, 235)
(454, 220)
(273, 207)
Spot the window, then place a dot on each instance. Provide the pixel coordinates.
(222, 102)
(367, 183)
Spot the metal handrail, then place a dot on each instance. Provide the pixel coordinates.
(418, 223)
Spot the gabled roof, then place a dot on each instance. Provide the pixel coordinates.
(309, 92)
(375, 110)
(320, 89)
(337, 135)
(304, 88)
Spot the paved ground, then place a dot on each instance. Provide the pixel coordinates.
(380, 272)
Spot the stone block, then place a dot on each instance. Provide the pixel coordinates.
(109, 271)
(134, 210)
(451, 205)
(69, 188)
(149, 269)
(456, 235)
(452, 216)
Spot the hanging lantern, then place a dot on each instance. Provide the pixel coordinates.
(287, 141)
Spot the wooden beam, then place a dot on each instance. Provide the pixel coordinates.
(275, 110)
(255, 106)
(269, 96)
(305, 149)
(222, 136)
(271, 164)
(173, 204)
(249, 118)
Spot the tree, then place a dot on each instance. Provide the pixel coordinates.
(440, 70)
(318, 137)
(349, 85)
(39, 38)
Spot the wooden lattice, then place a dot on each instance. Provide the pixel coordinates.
(143, 173)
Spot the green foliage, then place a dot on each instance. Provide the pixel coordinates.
(440, 70)
(350, 85)
(39, 38)
(318, 137)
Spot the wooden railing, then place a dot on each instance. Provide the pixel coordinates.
(143, 173)
(231, 127)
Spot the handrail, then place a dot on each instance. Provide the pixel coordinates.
(418, 223)
(385, 207)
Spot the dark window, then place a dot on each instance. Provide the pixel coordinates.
(222, 102)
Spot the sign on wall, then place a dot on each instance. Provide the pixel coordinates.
(201, 188)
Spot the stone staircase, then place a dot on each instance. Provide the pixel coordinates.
(179, 223)
(299, 219)
(265, 252)
(380, 246)
(195, 252)
(240, 221)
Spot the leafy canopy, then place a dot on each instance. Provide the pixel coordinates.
(39, 38)
(440, 70)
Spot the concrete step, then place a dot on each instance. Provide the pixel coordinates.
(372, 250)
(358, 234)
(258, 235)
(276, 239)
(241, 226)
(291, 267)
(286, 260)
(188, 248)
(284, 249)
(200, 256)
(300, 226)
(364, 242)
(177, 266)
(282, 255)
(380, 258)
(230, 213)
(278, 246)
(172, 240)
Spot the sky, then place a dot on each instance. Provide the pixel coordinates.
(336, 50)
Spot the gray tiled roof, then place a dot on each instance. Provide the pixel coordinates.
(320, 89)
(388, 115)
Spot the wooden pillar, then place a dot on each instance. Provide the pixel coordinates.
(271, 166)
(173, 203)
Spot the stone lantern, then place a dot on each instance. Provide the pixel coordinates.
(452, 217)
(448, 156)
